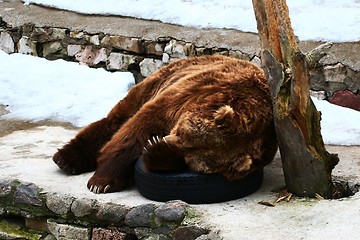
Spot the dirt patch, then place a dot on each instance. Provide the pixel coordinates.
(7, 126)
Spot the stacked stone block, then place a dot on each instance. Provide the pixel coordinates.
(26, 212)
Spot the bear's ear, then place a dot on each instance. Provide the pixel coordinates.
(225, 117)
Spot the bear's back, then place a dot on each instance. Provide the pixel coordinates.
(199, 72)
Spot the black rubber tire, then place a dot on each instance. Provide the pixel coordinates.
(192, 187)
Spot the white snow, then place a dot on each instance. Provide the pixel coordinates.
(328, 20)
(339, 125)
(37, 89)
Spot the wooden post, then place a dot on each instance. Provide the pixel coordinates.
(306, 163)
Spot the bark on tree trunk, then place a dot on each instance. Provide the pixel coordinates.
(306, 163)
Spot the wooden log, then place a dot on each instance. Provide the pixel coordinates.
(306, 163)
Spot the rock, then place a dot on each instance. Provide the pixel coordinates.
(175, 49)
(329, 79)
(144, 233)
(163, 230)
(73, 49)
(105, 41)
(201, 51)
(240, 55)
(148, 234)
(112, 213)
(353, 80)
(320, 95)
(27, 29)
(124, 43)
(91, 56)
(173, 211)
(221, 52)
(95, 40)
(36, 224)
(140, 216)
(165, 58)
(77, 35)
(100, 56)
(67, 231)
(6, 43)
(26, 46)
(108, 234)
(209, 236)
(27, 193)
(153, 48)
(3, 109)
(43, 35)
(256, 60)
(51, 48)
(40, 35)
(82, 207)
(336, 73)
(119, 61)
(58, 34)
(59, 204)
(347, 99)
(189, 50)
(149, 65)
(5, 188)
(188, 233)
(49, 237)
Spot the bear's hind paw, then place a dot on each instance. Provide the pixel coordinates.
(99, 189)
(70, 165)
(106, 185)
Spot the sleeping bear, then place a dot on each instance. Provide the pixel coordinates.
(210, 114)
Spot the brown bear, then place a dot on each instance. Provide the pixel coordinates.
(210, 114)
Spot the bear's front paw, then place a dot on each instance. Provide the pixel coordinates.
(158, 148)
(162, 154)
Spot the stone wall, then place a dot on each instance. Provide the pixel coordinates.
(114, 53)
(29, 213)
(143, 56)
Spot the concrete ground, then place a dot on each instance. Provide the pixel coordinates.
(26, 155)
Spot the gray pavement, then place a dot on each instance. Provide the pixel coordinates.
(26, 155)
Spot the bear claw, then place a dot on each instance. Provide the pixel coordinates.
(103, 185)
(153, 141)
(98, 189)
(107, 187)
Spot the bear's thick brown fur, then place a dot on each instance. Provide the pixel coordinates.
(211, 114)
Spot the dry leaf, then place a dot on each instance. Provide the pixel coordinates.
(269, 204)
(318, 196)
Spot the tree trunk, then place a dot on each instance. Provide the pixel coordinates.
(306, 163)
